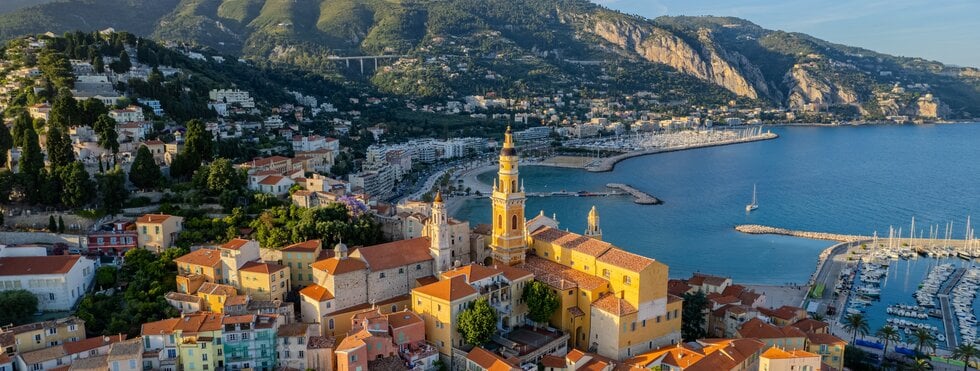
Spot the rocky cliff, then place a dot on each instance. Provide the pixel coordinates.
(706, 61)
(810, 91)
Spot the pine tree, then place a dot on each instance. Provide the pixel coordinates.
(105, 128)
(112, 190)
(60, 152)
(145, 173)
(77, 187)
(61, 224)
(52, 224)
(6, 143)
(31, 165)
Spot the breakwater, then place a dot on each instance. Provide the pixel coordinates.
(762, 229)
(639, 196)
(607, 164)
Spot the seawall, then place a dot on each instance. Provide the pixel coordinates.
(607, 164)
(761, 229)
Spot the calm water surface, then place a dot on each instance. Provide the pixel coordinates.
(845, 179)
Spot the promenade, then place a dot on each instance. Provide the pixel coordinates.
(607, 164)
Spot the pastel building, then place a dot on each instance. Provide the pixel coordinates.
(158, 232)
(708, 354)
(250, 342)
(379, 340)
(777, 359)
(40, 335)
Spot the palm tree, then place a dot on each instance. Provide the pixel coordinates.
(856, 323)
(923, 340)
(887, 334)
(966, 353)
(921, 364)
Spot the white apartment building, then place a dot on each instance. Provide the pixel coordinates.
(57, 281)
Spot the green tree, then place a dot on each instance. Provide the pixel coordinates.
(112, 191)
(18, 307)
(77, 187)
(966, 353)
(856, 324)
(61, 224)
(923, 340)
(64, 109)
(90, 110)
(98, 64)
(52, 224)
(222, 176)
(692, 316)
(31, 165)
(6, 143)
(145, 173)
(22, 123)
(542, 301)
(198, 141)
(123, 64)
(105, 128)
(60, 151)
(105, 277)
(478, 323)
(921, 364)
(887, 334)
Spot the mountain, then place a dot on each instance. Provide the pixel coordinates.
(536, 46)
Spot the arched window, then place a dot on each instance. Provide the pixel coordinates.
(513, 222)
(513, 185)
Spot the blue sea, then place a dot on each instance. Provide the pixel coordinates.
(854, 180)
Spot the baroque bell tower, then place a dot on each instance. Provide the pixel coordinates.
(593, 229)
(508, 242)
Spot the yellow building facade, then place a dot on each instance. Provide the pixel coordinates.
(614, 303)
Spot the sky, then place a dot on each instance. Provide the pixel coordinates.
(944, 30)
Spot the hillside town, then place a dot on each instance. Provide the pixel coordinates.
(269, 234)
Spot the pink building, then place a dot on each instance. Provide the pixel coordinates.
(377, 340)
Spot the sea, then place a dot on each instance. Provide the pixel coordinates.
(845, 179)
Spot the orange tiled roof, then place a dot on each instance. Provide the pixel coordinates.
(777, 353)
(153, 218)
(577, 242)
(316, 292)
(756, 328)
(235, 244)
(305, 246)
(336, 266)
(34, 265)
(165, 326)
(396, 254)
(403, 318)
(211, 288)
(263, 268)
(625, 260)
(450, 289)
(610, 303)
(489, 361)
(824, 339)
(202, 257)
(560, 276)
(809, 325)
(76, 347)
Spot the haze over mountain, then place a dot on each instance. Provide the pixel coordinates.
(528, 46)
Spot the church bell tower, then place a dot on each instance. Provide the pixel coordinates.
(593, 229)
(508, 242)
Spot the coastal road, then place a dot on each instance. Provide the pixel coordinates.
(829, 273)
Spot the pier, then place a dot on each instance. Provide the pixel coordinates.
(639, 196)
(761, 229)
(947, 312)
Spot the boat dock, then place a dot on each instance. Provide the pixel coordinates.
(946, 309)
(639, 196)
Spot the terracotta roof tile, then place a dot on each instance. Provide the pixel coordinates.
(263, 268)
(450, 289)
(211, 288)
(316, 292)
(235, 244)
(824, 339)
(337, 266)
(305, 246)
(403, 318)
(76, 347)
(560, 276)
(153, 218)
(472, 272)
(625, 260)
(395, 254)
(34, 265)
(202, 257)
(611, 304)
(165, 326)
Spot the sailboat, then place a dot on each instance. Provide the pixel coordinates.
(755, 203)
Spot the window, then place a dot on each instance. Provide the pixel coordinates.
(381, 275)
(394, 308)
(401, 270)
(53, 330)
(644, 323)
(513, 222)
(330, 324)
(500, 222)
(301, 354)
(418, 267)
(627, 280)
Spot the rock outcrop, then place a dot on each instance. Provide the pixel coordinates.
(708, 62)
(809, 91)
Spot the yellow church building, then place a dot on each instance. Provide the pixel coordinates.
(614, 303)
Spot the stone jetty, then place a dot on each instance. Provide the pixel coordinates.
(761, 229)
(639, 196)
